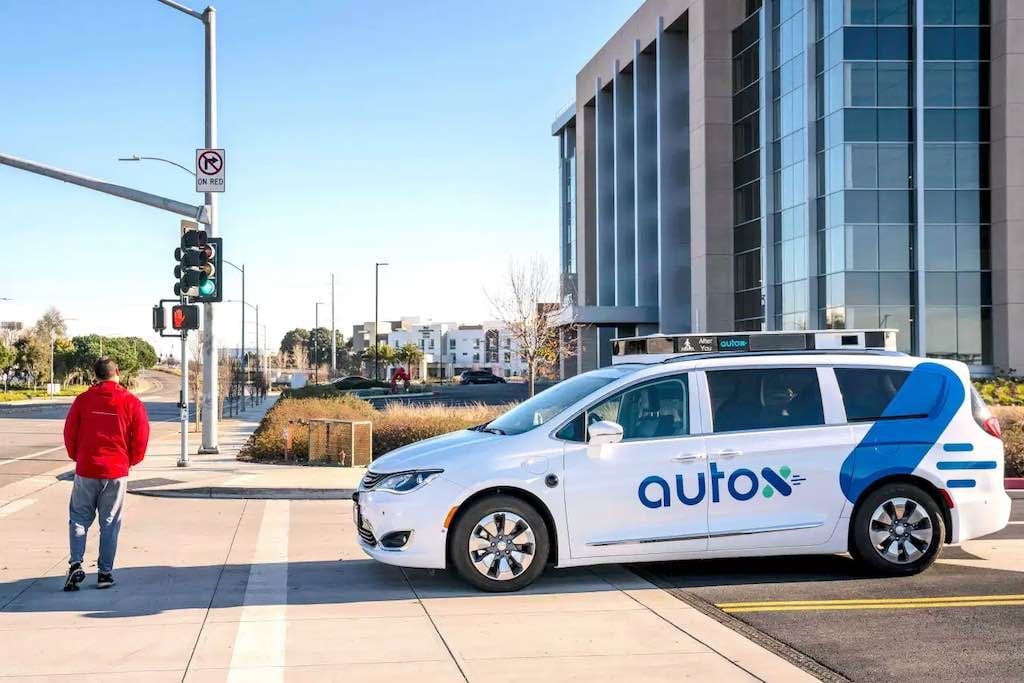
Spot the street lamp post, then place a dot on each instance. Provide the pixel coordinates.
(334, 334)
(210, 424)
(241, 348)
(376, 317)
(316, 353)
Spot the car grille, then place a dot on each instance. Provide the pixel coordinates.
(371, 479)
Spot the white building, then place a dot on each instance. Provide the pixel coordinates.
(451, 348)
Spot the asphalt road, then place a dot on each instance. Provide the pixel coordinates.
(31, 436)
(904, 635)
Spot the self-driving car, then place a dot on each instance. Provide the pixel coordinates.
(703, 446)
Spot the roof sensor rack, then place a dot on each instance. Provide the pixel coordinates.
(658, 348)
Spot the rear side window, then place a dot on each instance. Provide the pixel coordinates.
(764, 398)
(868, 392)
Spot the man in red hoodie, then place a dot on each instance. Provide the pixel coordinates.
(106, 432)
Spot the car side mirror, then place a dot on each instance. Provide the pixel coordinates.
(604, 433)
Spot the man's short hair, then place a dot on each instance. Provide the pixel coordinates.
(105, 368)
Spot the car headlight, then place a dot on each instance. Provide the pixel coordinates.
(404, 482)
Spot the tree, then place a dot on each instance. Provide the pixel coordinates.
(385, 356)
(318, 346)
(7, 359)
(30, 355)
(525, 311)
(292, 341)
(409, 355)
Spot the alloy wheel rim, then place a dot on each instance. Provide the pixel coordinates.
(502, 546)
(901, 530)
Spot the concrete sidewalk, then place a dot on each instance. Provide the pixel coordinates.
(235, 590)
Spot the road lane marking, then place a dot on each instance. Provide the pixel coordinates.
(877, 603)
(30, 455)
(261, 637)
(15, 506)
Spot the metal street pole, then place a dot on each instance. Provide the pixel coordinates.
(196, 213)
(334, 346)
(242, 342)
(376, 319)
(210, 369)
(183, 402)
(316, 353)
(210, 360)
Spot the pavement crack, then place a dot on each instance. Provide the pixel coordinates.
(216, 587)
(433, 623)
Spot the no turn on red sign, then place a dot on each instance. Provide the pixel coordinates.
(210, 170)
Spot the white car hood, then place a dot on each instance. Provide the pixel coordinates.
(437, 452)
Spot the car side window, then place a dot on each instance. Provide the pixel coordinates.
(653, 410)
(867, 392)
(764, 398)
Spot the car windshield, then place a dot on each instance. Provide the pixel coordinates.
(550, 402)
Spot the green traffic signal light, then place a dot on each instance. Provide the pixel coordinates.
(207, 287)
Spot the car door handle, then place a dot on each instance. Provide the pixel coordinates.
(690, 457)
(729, 453)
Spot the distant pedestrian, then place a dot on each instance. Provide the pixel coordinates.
(106, 432)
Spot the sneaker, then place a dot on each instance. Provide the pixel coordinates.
(104, 580)
(75, 576)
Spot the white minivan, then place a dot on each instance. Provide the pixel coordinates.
(703, 447)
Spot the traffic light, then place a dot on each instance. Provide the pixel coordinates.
(199, 265)
(185, 317)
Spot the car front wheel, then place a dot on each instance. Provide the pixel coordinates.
(898, 530)
(499, 544)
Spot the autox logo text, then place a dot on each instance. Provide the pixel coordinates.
(742, 484)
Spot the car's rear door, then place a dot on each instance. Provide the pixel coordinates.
(774, 456)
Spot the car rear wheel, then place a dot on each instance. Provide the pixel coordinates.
(898, 530)
(499, 544)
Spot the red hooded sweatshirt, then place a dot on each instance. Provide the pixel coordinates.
(106, 431)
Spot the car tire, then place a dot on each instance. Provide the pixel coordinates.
(476, 553)
(898, 530)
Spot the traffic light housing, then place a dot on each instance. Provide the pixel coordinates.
(199, 267)
(185, 317)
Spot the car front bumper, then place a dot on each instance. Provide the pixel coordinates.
(421, 512)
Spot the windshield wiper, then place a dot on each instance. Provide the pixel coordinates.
(490, 430)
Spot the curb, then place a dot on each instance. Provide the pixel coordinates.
(1014, 483)
(251, 493)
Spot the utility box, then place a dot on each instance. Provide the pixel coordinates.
(346, 442)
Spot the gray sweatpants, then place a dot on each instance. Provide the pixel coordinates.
(89, 497)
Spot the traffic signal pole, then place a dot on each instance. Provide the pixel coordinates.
(211, 416)
(183, 403)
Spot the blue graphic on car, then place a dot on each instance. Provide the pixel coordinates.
(909, 426)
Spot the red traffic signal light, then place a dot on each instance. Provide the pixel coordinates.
(185, 317)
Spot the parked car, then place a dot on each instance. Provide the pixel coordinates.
(480, 377)
(734, 453)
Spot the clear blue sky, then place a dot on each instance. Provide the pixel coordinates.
(411, 132)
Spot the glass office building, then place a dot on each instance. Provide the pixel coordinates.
(857, 163)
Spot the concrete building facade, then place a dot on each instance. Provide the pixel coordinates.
(799, 164)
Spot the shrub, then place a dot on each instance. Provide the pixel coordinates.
(1003, 391)
(394, 426)
(1012, 421)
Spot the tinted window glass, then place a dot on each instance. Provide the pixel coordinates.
(764, 398)
(867, 392)
(650, 411)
